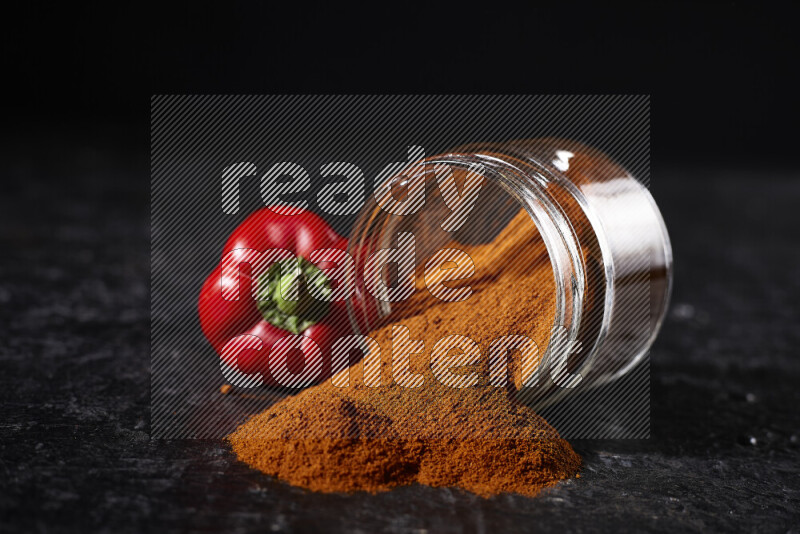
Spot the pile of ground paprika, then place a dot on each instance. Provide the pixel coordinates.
(330, 438)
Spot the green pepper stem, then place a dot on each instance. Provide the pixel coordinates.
(298, 278)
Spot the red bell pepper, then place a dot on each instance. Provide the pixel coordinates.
(272, 317)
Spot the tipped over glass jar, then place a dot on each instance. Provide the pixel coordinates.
(606, 243)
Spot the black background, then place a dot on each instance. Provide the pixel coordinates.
(722, 75)
(74, 320)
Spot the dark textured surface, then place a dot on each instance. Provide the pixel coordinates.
(74, 448)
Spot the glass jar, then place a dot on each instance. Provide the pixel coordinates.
(606, 242)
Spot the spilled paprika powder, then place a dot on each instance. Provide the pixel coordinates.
(344, 435)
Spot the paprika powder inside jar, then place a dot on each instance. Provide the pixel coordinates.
(606, 242)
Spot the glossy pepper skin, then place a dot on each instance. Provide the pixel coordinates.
(222, 320)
